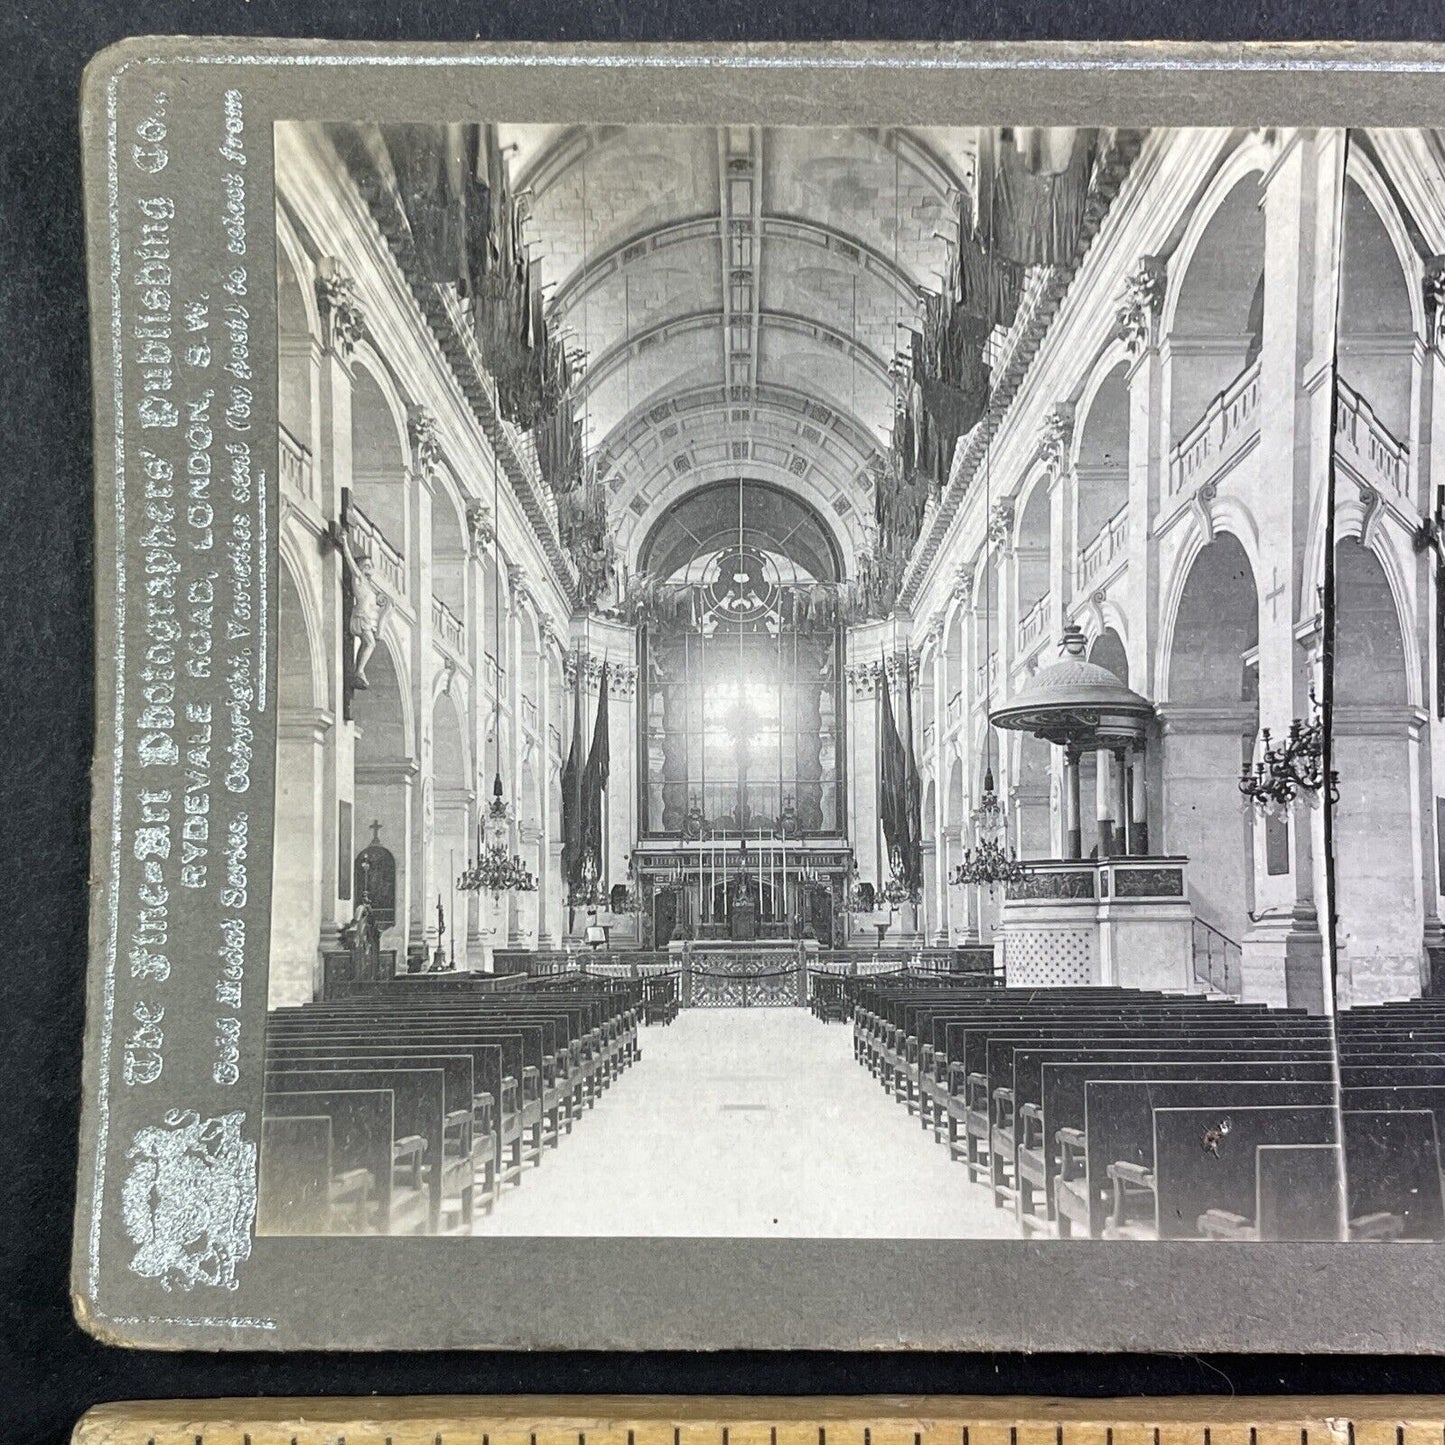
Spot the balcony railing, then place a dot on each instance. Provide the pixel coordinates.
(1032, 623)
(297, 473)
(1231, 420)
(447, 627)
(930, 736)
(390, 567)
(1100, 554)
(955, 708)
(529, 714)
(1367, 444)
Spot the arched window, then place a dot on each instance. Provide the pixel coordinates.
(739, 597)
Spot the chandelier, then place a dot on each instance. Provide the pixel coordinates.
(495, 870)
(898, 891)
(991, 860)
(988, 817)
(590, 893)
(1292, 768)
(988, 864)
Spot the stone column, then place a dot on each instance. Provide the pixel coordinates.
(542, 772)
(300, 852)
(481, 532)
(1123, 843)
(1148, 458)
(863, 772)
(1104, 801)
(424, 870)
(1285, 944)
(1139, 804)
(342, 325)
(512, 781)
(1073, 830)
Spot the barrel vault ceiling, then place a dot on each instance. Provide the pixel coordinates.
(738, 295)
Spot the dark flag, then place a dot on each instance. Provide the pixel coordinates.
(599, 761)
(913, 795)
(893, 783)
(572, 814)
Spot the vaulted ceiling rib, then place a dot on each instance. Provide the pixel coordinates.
(738, 292)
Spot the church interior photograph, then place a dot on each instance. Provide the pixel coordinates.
(858, 683)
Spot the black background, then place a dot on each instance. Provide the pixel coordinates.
(52, 1371)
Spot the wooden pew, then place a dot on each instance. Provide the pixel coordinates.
(1392, 1167)
(419, 1160)
(1204, 1193)
(1109, 1163)
(516, 1124)
(363, 1133)
(297, 1175)
(1050, 1096)
(463, 1144)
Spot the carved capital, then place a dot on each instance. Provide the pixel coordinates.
(343, 322)
(1055, 437)
(1141, 303)
(896, 661)
(517, 581)
(1001, 522)
(426, 446)
(481, 528)
(1433, 288)
(621, 679)
(587, 664)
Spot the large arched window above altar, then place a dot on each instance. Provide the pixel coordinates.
(737, 597)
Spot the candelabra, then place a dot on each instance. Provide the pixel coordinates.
(988, 816)
(1292, 768)
(988, 864)
(495, 870)
(898, 890)
(589, 894)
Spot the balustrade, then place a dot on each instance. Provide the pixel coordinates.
(390, 569)
(297, 473)
(447, 627)
(1101, 553)
(1231, 420)
(1032, 623)
(1366, 443)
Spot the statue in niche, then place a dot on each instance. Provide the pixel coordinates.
(367, 602)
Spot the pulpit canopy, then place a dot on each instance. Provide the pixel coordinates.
(1075, 703)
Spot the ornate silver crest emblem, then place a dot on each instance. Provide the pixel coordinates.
(189, 1200)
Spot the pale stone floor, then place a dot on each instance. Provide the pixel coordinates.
(748, 1123)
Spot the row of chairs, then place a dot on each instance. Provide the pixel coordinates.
(1105, 1112)
(410, 1108)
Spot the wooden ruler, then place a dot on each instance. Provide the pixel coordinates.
(703, 1420)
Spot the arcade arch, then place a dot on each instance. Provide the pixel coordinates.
(1209, 725)
(1378, 831)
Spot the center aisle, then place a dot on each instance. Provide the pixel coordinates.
(748, 1122)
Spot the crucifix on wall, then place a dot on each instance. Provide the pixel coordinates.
(739, 719)
(1274, 594)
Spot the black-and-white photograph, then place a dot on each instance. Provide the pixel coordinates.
(857, 683)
